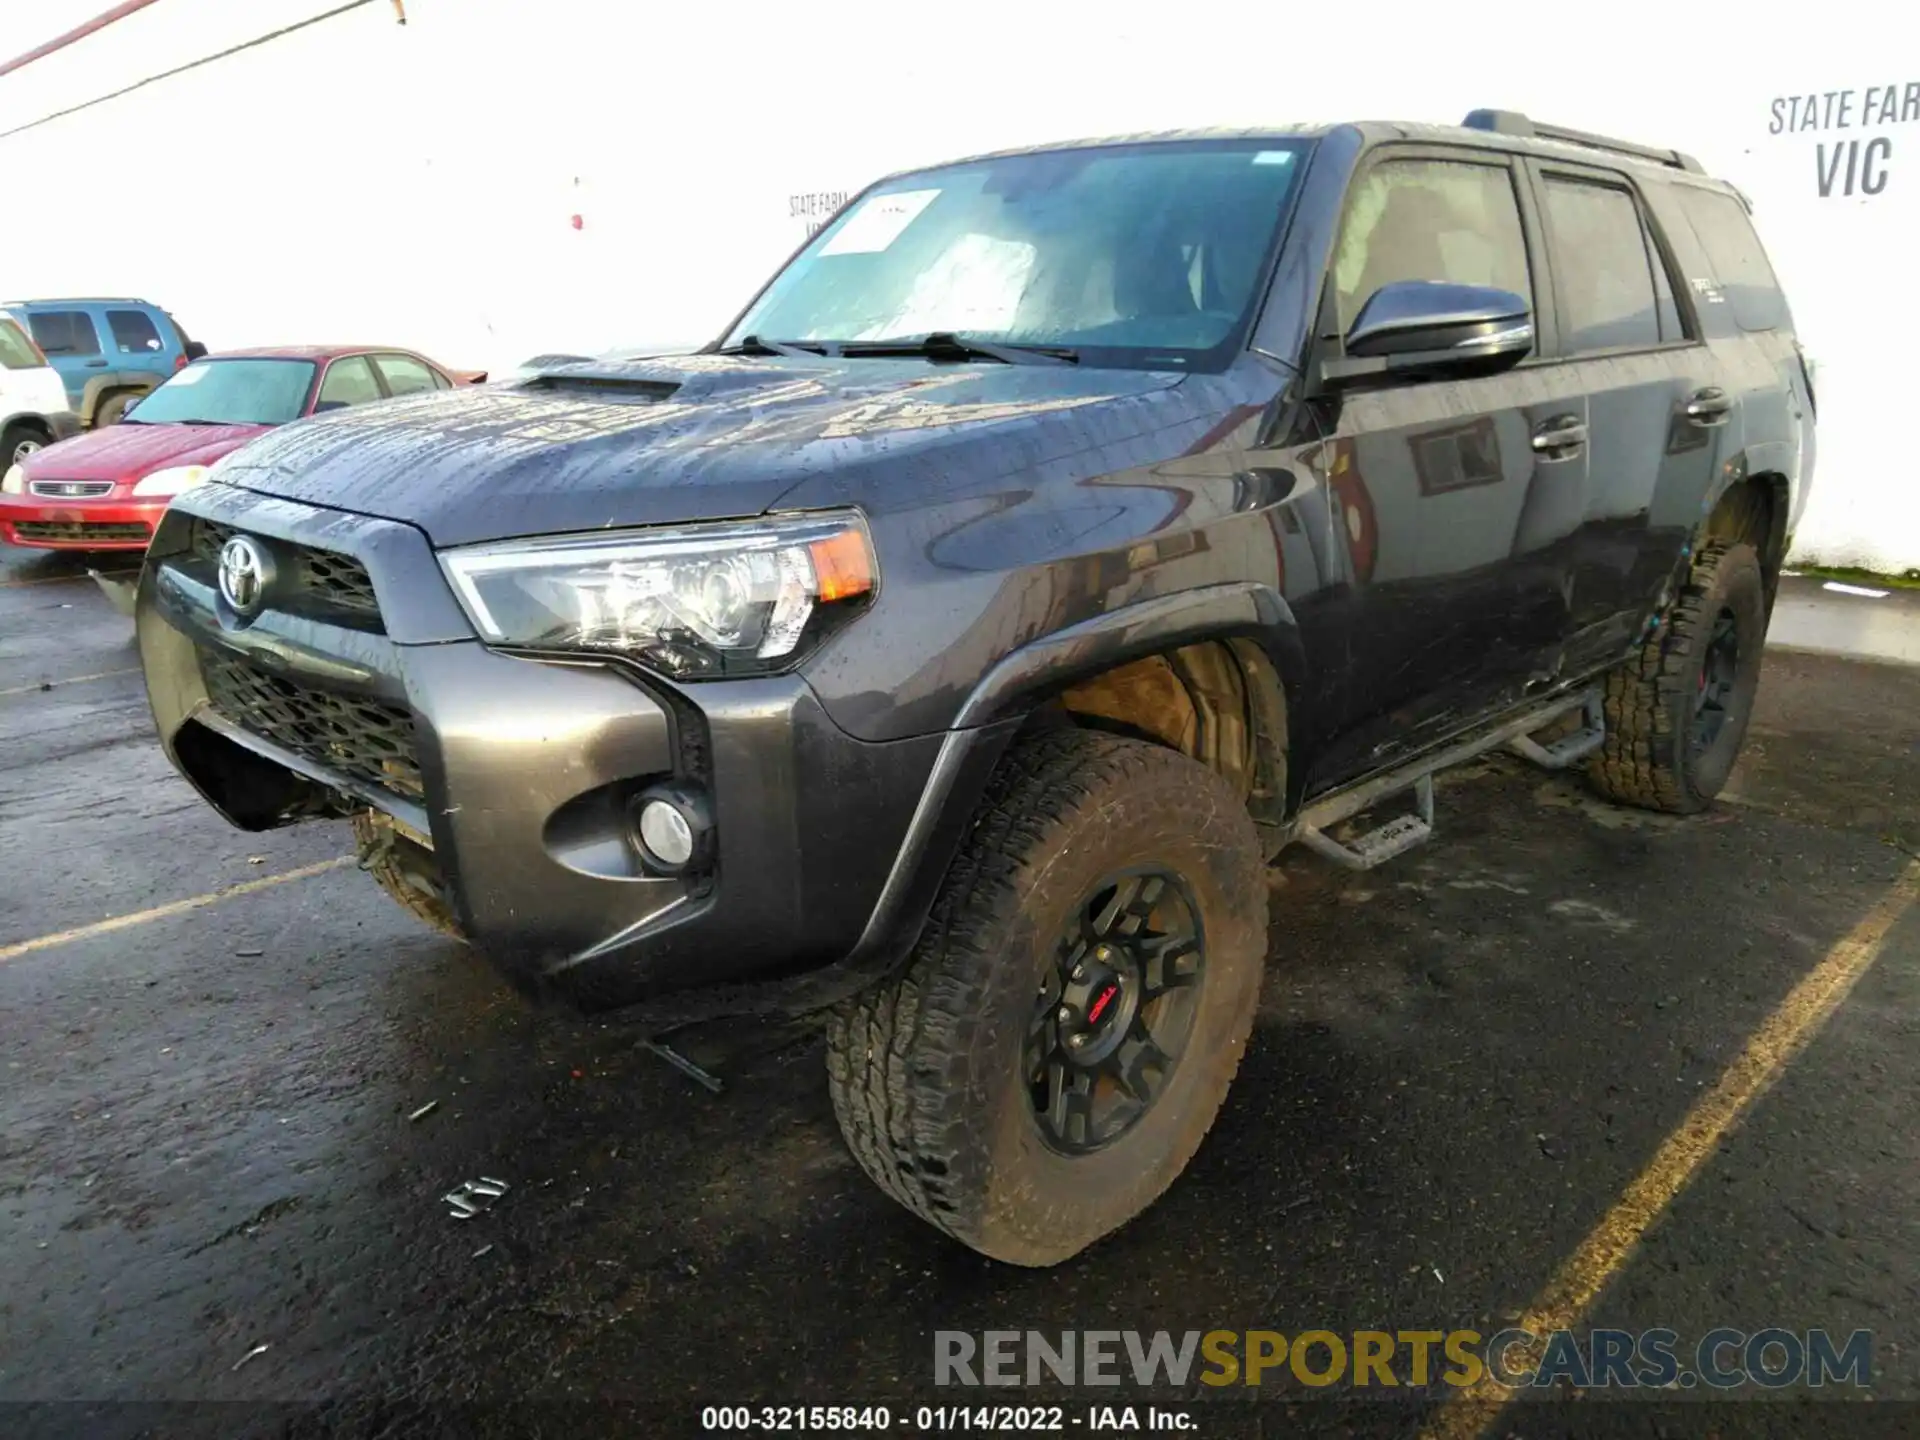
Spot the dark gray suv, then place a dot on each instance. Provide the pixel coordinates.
(950, 645)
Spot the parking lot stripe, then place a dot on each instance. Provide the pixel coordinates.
(161, 912)
(62, 579)
(1469, 1411)
(76, 680)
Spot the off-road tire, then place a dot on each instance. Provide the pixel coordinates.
(16, 435)
(1648, 759)
(925, 1071)
(406, 872)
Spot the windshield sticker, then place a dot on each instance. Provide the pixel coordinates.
(879, 222)
(192, 375)
(1274, 157)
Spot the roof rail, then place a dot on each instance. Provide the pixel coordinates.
(1512, 122)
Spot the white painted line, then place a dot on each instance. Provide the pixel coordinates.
(1839, 589)
(76, 680)
(162, 912)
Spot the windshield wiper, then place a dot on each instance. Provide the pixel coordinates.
(754, 345)
(946, 345)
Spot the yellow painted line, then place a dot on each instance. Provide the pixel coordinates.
(162, 912)
(76, 680)
(1468, 1412)
(63, 579)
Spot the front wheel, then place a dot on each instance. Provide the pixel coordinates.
(1677, 712)
(17, 442)
(1068, 1025)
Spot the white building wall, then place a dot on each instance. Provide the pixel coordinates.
(416, 184)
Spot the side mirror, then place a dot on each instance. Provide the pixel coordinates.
(1435, 328)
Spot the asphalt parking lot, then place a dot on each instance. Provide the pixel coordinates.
(1464, 1061)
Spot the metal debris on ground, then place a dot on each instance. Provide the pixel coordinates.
(424, 1111)
(260, 1349)
(482, 1250)
(683, 1065)
(249, 954)
(472, 1197)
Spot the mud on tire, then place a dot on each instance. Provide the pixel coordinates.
(941, 1078)
(406, 872)
(1677, 711)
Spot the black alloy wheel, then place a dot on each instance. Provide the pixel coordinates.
(1114, 1009)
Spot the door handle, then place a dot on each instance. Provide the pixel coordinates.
(1557, 439)
(1710, 406)
(96, 364)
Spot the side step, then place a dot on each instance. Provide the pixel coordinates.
(1381, 844)
(1401, 834)
(1570, 748)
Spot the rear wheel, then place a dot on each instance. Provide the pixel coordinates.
(109, 410)
(1677, 712)
(405, 869)
(1067, 1028)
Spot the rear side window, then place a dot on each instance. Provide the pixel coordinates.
(64, 332)
(348, 382)
(134, 332)
(405, 376)
(1430, 220)
(1603, 268)
(16, 351)
(1739, 262)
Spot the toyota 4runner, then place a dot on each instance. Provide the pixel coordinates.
(950, 645)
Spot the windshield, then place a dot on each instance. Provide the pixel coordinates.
(1142, 255)
(230, 392)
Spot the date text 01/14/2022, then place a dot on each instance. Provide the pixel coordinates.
(990, 1419)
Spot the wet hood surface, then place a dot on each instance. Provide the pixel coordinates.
(611, 443)
(128, 451)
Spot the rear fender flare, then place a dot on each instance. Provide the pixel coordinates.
(100, 386)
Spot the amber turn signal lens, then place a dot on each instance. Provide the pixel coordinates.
(842, 566)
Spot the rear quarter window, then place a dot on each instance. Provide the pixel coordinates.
(134, 332)
(1740, 265)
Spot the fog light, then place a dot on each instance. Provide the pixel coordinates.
(666, 833)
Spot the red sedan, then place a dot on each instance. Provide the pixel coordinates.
(105, 490)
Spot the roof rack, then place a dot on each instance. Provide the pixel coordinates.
(80, 300)
(1512, 122)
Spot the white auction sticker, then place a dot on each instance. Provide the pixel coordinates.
(192, 375)
(878, 222)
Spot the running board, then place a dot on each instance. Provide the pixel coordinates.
(1570, 748)
(1401, 834)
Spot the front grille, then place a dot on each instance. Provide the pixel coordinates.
(80, 530)
(364, 739)
(70, 489)
(317, 579)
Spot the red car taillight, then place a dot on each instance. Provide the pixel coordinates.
(180, 362)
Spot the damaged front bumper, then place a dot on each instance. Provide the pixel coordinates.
(359, 685)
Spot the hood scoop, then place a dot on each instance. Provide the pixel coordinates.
(600, 384)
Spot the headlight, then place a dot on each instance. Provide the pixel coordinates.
(697, 601)
(171, 481)
(15, 482)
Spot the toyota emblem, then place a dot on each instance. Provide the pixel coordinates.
(245, 571)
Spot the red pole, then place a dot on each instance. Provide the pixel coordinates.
(79, 32)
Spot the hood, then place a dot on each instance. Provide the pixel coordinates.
(608, 443)
(128, 451)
